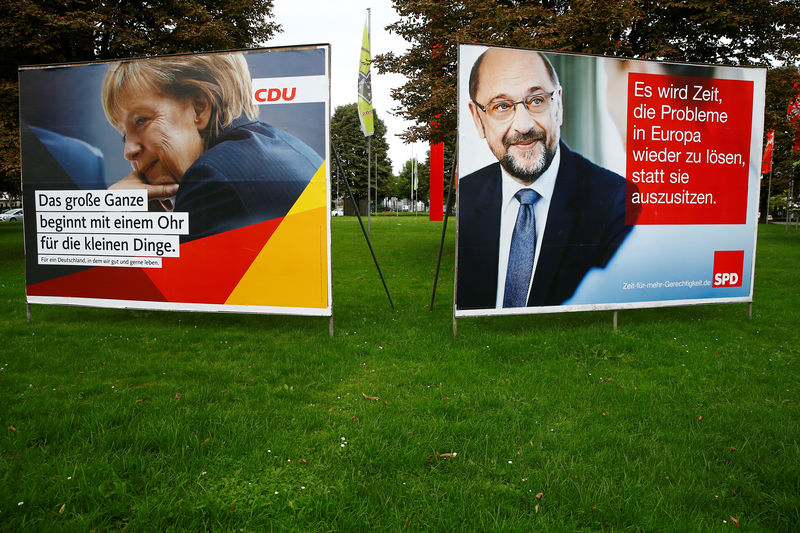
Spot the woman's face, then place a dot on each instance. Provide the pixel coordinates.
(162, 134)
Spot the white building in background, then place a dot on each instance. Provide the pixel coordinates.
(7, 201)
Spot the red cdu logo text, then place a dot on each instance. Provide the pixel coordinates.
(274, 94)
(728, 267)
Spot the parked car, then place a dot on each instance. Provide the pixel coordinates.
(337, 213)
(11, 215)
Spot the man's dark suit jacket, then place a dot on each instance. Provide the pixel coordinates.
(585, 226)
(253, 172)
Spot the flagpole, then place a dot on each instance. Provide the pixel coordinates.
(769, 192)
(411, 185)
(788, 201)
(414, 189)
(413, 177)
(369, 138)
(369, 142)
(364, 105)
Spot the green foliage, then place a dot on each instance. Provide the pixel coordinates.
(42, 31)
(47, 31)
(781, 90)
(154, 421)
(424, 175)
(711, 31)
(10, 167)
(351, 144)
(403, 183)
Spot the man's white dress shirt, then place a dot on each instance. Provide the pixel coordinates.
(544, 185)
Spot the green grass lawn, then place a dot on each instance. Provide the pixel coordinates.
(684, 419)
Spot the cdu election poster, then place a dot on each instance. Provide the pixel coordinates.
(603, 183)
(191, 182)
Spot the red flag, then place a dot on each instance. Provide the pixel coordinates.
(437, 182)
(793, 113)
(766, 162)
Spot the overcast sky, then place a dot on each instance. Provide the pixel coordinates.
(341, 24)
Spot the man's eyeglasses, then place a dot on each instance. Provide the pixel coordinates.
(504, 110)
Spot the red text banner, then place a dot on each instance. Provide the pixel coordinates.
(687, 161)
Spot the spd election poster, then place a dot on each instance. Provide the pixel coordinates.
(190, 182)
(602, 183)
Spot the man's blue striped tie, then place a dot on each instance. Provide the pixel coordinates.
(523, 247)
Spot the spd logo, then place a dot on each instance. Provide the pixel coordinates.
(728, 267)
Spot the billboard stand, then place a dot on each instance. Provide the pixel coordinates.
(444, 226)
(94, 236)
(363, 230)
(651, 201)
(330, 326)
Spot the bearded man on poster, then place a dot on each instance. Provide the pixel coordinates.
(531, 225)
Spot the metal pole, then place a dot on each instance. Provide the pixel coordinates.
(413, 181)
(363, 230)
(769, 192)
(369, 194)
(416, 187)
(444, 227)
(788, 196)
(411, 189)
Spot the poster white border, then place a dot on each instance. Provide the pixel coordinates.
(473, 154)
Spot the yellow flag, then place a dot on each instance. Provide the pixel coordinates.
(365, 113)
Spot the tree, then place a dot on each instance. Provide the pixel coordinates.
(402, 182)
(49, 31)
(733, 32)
(783, 88)
(350, 142)
(10, 167)
(403, 187)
